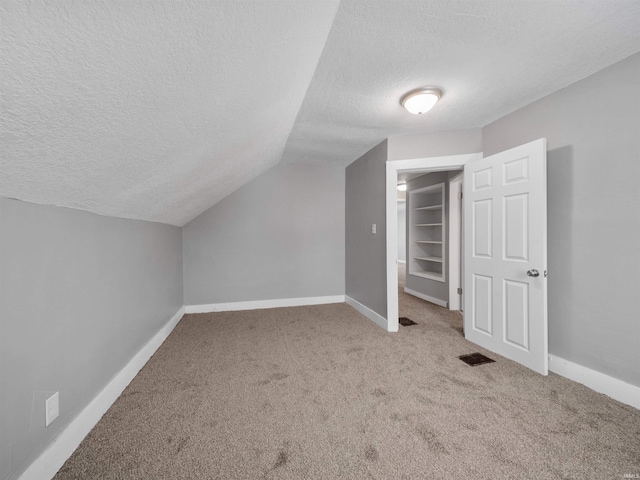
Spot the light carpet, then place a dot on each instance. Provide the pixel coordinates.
(321, 392)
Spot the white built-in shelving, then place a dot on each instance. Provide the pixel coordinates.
(426, 232)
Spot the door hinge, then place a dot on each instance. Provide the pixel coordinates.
(459, 291)
(459, 195)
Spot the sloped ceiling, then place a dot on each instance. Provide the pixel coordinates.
(157, 110)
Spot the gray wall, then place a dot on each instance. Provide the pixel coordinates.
(279, 236)
(366, 264)
(593, 133)
(80, 294)
(455, 142)
(427, 286)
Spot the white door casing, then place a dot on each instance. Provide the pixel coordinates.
(505, 205)
(455, 241)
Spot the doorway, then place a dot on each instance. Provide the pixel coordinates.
(432, 237)
(412, 166)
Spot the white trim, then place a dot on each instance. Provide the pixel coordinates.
(437, 301)
(50, 461)
(260, 304)
(455, 240)
(449, 162)
(370, 314)
(434, 164)
(600, 382)
(392, 255)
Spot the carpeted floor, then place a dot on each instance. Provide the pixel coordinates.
(322, 393)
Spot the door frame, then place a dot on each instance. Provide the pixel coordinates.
(454, 237)
(393, 167)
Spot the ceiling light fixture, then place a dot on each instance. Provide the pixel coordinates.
(402, 187)
(421, 100)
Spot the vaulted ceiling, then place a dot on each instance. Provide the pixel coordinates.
(157, 110)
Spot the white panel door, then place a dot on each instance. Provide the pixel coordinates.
(505, 204)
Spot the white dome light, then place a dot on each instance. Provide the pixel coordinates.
(402, 187)
(421, 100)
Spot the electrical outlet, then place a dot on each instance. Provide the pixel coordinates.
(373, 228)
(52, 408)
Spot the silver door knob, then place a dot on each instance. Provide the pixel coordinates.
(533, 273)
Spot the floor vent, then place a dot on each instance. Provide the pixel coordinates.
(475, 359)
(406, 322)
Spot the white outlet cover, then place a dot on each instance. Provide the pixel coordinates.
(52, 408)
(373, 228)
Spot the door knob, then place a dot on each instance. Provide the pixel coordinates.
(533, 273)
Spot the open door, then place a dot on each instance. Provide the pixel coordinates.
(505, 254)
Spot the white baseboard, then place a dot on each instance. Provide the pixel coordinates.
(50, 461)
(437, 301)
(367, 312)
(260, 304)
(600, 382)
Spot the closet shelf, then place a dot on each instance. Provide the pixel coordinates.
(433, 275)
(430, 259)
(430, 207)
(437, 242)
(427, 224)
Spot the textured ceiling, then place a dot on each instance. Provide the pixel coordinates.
(153, 109)
(489, 57)
(158, 109)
